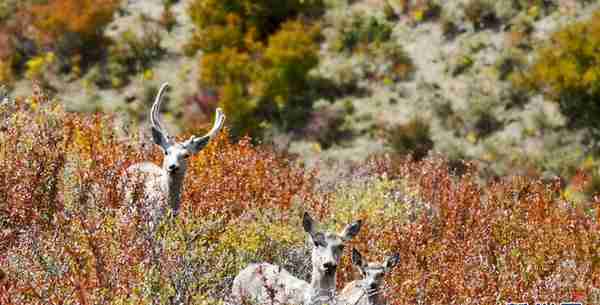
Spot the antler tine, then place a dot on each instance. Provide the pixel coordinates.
(155, 111)
(219, 120)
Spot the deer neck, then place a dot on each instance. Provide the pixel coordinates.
(173, 183)
(322, 284)
(375, 299)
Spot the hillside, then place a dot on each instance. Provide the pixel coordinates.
(456, 98)
(463, 134)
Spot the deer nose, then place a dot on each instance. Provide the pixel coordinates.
(372, 286)
(173, 167)
(329, 266)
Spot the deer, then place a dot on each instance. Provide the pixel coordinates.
(162, 186)
(264, 283)
(367, 290)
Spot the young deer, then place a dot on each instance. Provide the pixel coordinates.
(162, 186)
(269, 284)
(367, 291)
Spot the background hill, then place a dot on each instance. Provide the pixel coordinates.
(464, 133)
(467, 79)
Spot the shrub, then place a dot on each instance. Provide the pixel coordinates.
(38, 67)
(167, 18)
(67, 237)
(289, 56)
(368, 40)
(509, 63)
(10, 40)
(8, 9)
(326, 123)
(257, 56)
(129, 55)
(411, 138)
(212, 17)
(449, 27)
(520, 32)
(419, 10)
(481, 14)
(360, 31)
(460, 64)
(73, 27)
(517, 243)
(66, 234)
(425, 10)
(263, 180)
(398, 65)
(536, 8)
(6, 71)
(567, 69)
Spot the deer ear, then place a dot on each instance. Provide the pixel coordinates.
(391, 261)
(351, 230)
(356, 258)
(308, 224)
(317, 238)
(160, 138)
(196, 144)
(358, 261)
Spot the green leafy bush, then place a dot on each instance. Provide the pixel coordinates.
(358, 31)
(567, 69)
(368, 40)
(420, 10)
(257, 55)
(6, 71)
(129, 55)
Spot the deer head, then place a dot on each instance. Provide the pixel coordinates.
(176, 153)
(327, 247)
(373, 273)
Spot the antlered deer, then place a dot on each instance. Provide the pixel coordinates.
(161, 186)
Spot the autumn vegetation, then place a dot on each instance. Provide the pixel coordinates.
(506, 224)
(67, 236)
(567, 69)
(257, 56)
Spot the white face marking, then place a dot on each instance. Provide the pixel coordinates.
(328, 247)
(373, 275)
(176, 158)
(327, 252)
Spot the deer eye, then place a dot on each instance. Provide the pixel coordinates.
(319, 240)
(185, 156)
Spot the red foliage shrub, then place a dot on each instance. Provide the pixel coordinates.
(232, 178)
(63, 234)
(66, 236)
(514, 239)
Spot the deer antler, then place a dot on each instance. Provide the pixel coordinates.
(198, 143)
(219, 120)
(155, 111)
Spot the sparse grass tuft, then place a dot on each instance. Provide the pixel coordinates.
(411, 138)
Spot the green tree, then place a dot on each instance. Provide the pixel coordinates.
(567, 69)
(257, 54)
